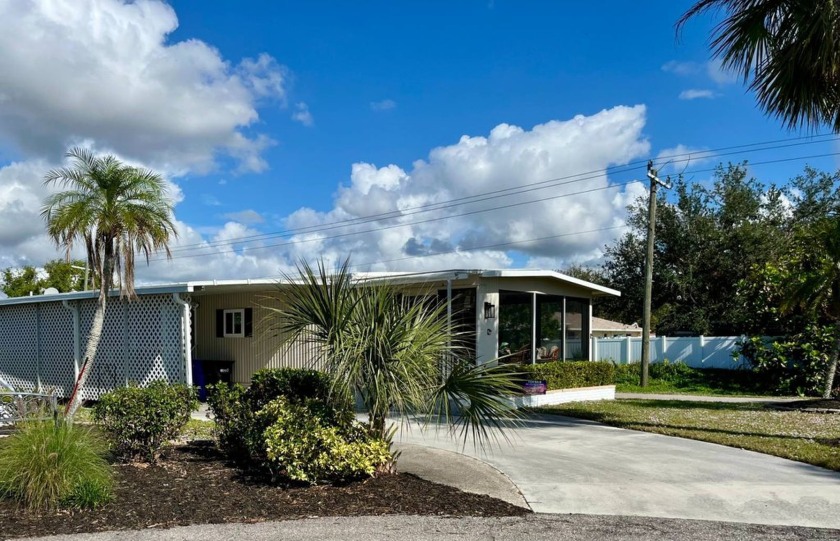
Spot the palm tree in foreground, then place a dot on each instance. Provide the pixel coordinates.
(397, 353)
(790, 49)
(116, 211)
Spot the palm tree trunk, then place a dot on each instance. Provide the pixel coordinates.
(94, 337)
(95, 334)
(831, 369)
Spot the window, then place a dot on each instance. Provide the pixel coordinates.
(234, 324)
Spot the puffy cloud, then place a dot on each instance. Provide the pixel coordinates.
(697, 93)
(384, 105)
(381, 219)
(378, 221)
(106, 71)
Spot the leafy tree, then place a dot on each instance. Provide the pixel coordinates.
(397, 353)
(708, 240)
(21, 282)
(63, 276)
(790, 51)
(815, 283)
(60, 274)
(116, 210)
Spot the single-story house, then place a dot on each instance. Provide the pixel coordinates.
(167, 328)
(605, 328)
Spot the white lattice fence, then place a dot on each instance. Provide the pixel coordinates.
(19, 346)
(141, 341)
(55, 343)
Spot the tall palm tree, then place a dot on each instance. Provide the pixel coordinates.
(397, 353)
(790, 49)
(116, 211)
(816, 284)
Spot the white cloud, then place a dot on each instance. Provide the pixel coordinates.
(107, 71)
(210, 200)
(384, 105)
(574, 220)
(681, 68)
(301, 114)
(719, 74)
(696, 93)
(675, 160)
(247, 217)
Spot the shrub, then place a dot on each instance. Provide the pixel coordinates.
(571, 374)
(46, 464)
(242, 426)
(671, 372)
(793, 366)
(140, 421)
(294, 384)
(304, 444)
(236, 431)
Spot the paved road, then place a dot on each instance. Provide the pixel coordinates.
(533, 527)
(565, 465)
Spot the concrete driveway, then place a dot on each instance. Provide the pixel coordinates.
(565, 465)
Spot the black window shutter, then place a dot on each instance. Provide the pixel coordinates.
(220, 323)
(249, 322)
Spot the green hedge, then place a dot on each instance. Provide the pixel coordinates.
(571, 374)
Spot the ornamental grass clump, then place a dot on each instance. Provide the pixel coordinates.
(50, 464)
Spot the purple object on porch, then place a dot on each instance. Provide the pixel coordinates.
(537, 386)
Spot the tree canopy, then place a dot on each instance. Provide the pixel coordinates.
(58, 273)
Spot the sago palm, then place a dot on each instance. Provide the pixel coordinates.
(397, 353)
(117, 212)
(789, 48)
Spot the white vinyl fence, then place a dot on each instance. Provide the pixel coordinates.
(696, 351)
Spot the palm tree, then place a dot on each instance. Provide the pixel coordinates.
(116, 211)
(790, 48)
(816, 284)
(396, 352)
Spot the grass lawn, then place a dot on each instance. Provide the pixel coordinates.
(807, 437)
(713, 382)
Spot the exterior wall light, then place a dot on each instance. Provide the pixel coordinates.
(489, 310)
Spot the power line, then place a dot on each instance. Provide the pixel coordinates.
(510, 205)
(428, 220)
(505, 192)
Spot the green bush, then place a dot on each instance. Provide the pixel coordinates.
(294, 384)
(671, 372)
(46, 464)
(303, 443)
(795, 365)
(237, 433)
(571, 374)
(242, 424)
(139, 421)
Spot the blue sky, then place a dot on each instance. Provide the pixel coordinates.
(271, 115)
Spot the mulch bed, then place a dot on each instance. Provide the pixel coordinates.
(193, 484)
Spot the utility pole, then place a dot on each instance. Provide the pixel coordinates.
(651, 231)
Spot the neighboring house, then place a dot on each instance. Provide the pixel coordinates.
(169, 327)
(604, 328)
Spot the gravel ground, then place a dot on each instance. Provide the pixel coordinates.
(411, 528)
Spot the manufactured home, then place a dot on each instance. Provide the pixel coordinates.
(169, 331)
